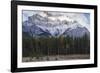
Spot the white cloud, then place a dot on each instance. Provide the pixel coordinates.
(79, 17)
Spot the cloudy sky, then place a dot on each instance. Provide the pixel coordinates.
(82, 18)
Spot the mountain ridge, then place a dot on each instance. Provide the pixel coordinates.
(38, 25)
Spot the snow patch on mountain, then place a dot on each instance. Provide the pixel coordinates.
(55, 24)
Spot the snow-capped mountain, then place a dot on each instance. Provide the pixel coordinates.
(77, 32)
(39, 25)
(33, 30)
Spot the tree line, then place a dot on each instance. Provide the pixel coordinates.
(47, 46)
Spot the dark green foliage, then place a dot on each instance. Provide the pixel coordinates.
(46, 46)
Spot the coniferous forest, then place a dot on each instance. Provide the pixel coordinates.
(55, 46)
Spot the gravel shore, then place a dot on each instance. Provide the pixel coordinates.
(54, 58)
